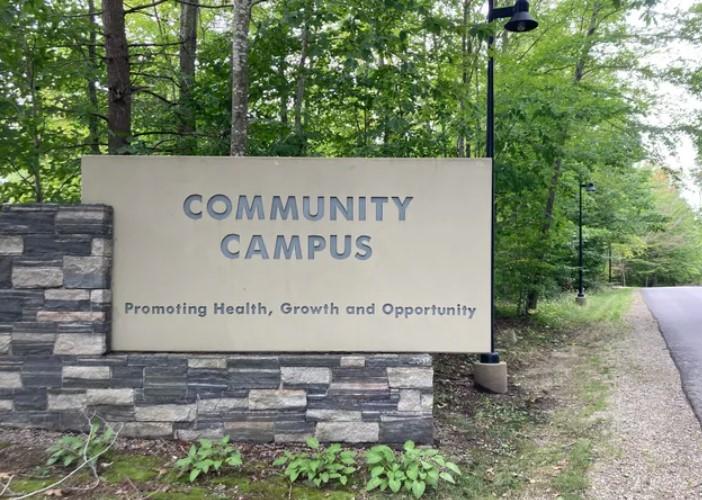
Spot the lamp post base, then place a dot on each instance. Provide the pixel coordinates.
(580, 300)
(491, 376)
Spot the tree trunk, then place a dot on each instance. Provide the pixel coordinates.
(301, 74)
(579, 72)
(283, 103)
(240, 77)
(93, 124)
(36, 133)
(187, 53)
(119, 96)
(461, 150)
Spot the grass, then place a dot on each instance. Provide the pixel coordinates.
(140, 468)
(606, 307)
(525, 446)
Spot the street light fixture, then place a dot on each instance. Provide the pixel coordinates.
(590, 188)
(520, 22)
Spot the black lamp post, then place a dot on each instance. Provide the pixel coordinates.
(520, 21)
(590, 188)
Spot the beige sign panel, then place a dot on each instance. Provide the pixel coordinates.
(297, 254)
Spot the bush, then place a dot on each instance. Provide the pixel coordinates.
(72, 450)
(209, 457)
(321, 466)
(414, 470)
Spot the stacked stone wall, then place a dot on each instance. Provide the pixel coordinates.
(56, 369)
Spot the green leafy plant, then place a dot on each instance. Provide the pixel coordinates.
(209, 457)
(320, 466)
(71, 450)
(414, 470)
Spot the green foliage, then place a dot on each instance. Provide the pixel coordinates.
(414, 470)
(563, 314)
(71, 450)
(209, 457)
(393, 79)
(319, 466)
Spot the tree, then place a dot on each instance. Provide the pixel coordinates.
(188, 49)
(119, 108)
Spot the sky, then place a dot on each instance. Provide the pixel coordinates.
(674, 103)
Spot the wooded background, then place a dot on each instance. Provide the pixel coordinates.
(384, 78)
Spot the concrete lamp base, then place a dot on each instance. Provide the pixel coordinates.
(580, 300)
(491, 376)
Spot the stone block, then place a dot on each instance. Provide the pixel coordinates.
(11, 245)
(411, 378)
(305, 375)
(294, 437)
(212, 363)
(359, 387)
(26, 219)
(5, 339)
(220, 405)
(166, 413)
(352, 361)
(261, 432)
(5, 272)
(87, 372)
(170, 376)
(67, 401)
(101, 296)
(206, 381)
(70, 316)
(11, 309)
(146, 429)
(427, 402)
(101, 247)
(10, 380)
(66, 295)
(283, 399)
(79, 344)
(418, 429)
(253, 361)
(325, 360)
(84, 219)
(30, 400)
(110, 396)
(86, 272)
(254, 378)
(410, 400)
(52, 246)
(127, 376)
(348, 432)
(398, 360)
(334, 415)
(195, 434)
(41, 372)
(165, 395)
(36, 277)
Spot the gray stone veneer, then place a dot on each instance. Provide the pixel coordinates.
(56, 368)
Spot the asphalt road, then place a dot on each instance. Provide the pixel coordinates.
(678, 311)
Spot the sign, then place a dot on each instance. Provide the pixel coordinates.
(297, 254)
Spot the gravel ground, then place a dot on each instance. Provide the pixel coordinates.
(654, 447)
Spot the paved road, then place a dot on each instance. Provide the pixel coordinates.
(678, 311)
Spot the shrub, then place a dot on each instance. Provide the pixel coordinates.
(72, 450)
(209, 457)
(413, 470)
(320, 466)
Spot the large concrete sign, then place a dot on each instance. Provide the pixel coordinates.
(297, 254)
